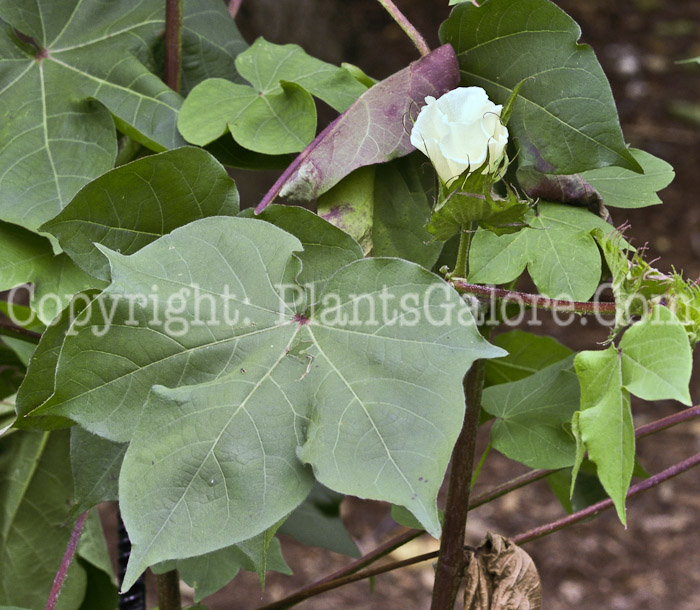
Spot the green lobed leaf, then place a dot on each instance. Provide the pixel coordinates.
(29, 258)
(623, 188)
(564, 120)
(35, 493)
(527, 354)
(560, 254)
(62, 103)
(656, 358)
(533, 415)
(252, 401)
(325, 246)
(132, 205)
(276, 114)
(373, 130)
(605, 422)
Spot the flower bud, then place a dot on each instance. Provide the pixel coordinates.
(459, 131)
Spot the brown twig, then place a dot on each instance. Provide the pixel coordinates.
(351, 572)
(528, 536)
(534, 300)
(406, 26)
(66, 561)
(173, 43)
(451, 562)
(8, 329)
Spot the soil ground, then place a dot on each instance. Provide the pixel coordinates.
(654, 564)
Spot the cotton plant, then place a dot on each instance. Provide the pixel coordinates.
(229, 374)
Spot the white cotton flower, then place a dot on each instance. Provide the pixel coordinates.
(456, 131)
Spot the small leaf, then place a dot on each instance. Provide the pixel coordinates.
(557, 248)
(533, 416)
(276, 114)
(527, 354)
(500, 575)
(564, 120)
(656, 358)
(29, 258)
(373, 130)
(605, 422)
(132, 205)
(623, 188)
(317, 522)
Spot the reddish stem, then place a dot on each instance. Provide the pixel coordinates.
(534, 300)
(173, 40)
(233, 7)
(66, 561)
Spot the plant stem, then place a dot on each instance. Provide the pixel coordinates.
(406, 26)
(173, 40)
(480, 465)
(340, 577)
(169, 591)
(66, 561)
(8, 329)
(534, 300)
(233, 7)
(462, 263)
(528, 536)
(594, 509)
(452, 559)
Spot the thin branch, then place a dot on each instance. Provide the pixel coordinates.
(7, 329)
(452, 558)
(345, 575)
(528, 536)
(66, 561)
(233, 7)
(534, 300)
(594, 509)
(352, 568)
(173, 40)
(406, 26)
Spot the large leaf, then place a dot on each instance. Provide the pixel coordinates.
(385, 207)
(35, 494)
(373, 130)
(26, 257)
(343, 384)
(274, 115)
(533, 414)
(134, 204)
(557, 248)
(564, 120)
(11, 371)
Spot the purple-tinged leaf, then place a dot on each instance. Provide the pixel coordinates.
(572, 189)
(373, 130)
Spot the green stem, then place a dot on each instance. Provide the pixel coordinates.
(451, 562)
(169, 591)
(406, 26)
(480, 465)
(462, 263)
